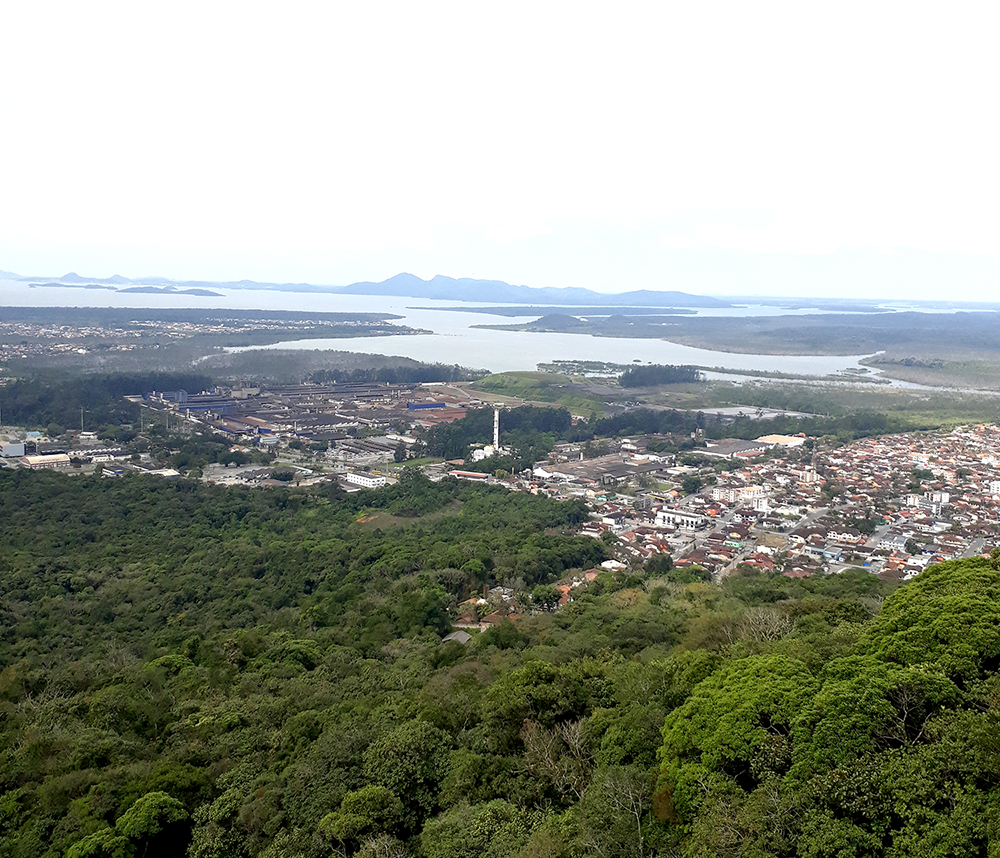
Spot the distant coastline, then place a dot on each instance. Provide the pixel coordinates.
(72, 286)
(402, 285)
(146, 290)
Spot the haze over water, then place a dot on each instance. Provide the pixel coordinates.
(454, 340)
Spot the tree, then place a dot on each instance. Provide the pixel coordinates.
(691, 484)
(157, 824)
(383, 846)
(659, 564)
(733, 730)
(485, 830)
(104, 843)
(546, 596)
(371, 810)
(948, 617)
(866, 705)
(411, 760)
(615, 813)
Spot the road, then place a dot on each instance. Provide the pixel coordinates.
(975, 548)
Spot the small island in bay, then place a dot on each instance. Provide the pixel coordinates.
(171, 290)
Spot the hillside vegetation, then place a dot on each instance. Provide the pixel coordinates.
(195, 670)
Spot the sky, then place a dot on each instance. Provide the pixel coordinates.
(837, 149)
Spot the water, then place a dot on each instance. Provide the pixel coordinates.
(507, 351)
(454, 340)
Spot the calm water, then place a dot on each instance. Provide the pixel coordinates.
(454, 340)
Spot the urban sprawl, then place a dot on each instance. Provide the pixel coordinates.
(891, 505)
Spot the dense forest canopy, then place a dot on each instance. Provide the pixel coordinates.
(227, 672)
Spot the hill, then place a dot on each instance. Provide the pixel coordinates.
(466, 289)
(411, 286)
(187, 669)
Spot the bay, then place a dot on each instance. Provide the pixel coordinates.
(454, 339)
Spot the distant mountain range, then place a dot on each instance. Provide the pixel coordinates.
(466, 289)
(403, 285)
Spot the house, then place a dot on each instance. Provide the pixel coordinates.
(492, 620)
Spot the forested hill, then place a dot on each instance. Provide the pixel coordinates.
(187, 669)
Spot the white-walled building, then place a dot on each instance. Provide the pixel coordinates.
(366, 481)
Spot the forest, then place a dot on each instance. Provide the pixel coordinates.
(190, 669)
(645, 376)
(59, 399)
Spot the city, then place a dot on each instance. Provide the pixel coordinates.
(891, 505)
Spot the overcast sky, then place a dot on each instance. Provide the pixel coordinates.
(783, 148)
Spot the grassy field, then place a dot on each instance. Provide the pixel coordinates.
(976, 374)
(543, 388)
(375, 519)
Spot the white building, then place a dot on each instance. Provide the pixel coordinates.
(681, 518)
(366, 481)
(788, 441)
(50, 460)
(738, 494)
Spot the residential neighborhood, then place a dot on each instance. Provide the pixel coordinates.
(892, 505)
(785, 503)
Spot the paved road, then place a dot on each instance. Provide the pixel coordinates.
(975, 547)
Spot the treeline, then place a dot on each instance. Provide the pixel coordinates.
(208, 646)
(642, 421)
(419, 373)
(647, 376)
(843, 428)
(207, 551)
(57, 400)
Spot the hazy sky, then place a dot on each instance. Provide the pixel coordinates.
(790, 148)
